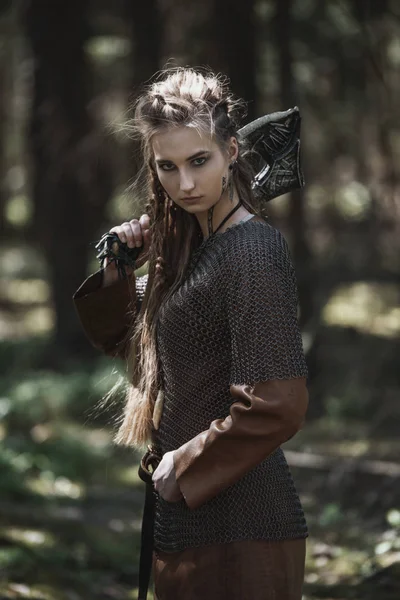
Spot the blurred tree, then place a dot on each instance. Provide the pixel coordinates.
(146, 36)
(296, 219)
(5, 10)
(220, 34)
(3, 88)
(376, 34)
(71, 175)
(147, 33)
(233, 50)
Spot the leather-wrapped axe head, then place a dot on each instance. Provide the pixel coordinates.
(274, 144)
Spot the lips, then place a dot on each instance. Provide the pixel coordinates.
(191, 198)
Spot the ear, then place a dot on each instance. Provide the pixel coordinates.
(233, 149)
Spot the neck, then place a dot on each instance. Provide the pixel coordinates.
(221, 209)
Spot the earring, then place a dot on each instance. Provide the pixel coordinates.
(230, 182)
(209, 221)
(230, 188)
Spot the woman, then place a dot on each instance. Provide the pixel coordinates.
(214, 356)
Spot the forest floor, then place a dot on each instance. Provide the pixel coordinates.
(71, 502)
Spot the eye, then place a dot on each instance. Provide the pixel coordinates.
(198, 162)
(167, 167)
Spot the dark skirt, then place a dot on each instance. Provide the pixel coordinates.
(246, 570)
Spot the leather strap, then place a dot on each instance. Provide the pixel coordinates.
(147, 542)
(151, 458)
(234, 209)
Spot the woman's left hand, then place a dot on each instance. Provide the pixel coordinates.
(164, 479)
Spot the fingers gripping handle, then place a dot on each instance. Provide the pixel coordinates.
(111, 248)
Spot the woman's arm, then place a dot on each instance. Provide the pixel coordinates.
(106, 305)
(107, 313)
(261, 419)
(268, 372)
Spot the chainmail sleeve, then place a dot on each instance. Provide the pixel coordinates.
(261, 303)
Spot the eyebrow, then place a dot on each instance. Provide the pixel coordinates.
(196, 155)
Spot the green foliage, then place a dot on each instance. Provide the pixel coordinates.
(331, 515)
(13, 468)
(18, 355)
(28, 397)
(43, 415)
(63, 455)
(351, 402)
(17, 561)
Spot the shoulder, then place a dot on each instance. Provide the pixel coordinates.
(256, 243)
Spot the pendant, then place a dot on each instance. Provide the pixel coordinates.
(158, 409)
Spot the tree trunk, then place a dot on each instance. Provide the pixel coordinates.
(233, 50)
(3, 88)
(297, 222)
(71, 176)
(5, 23)
(220, 34)
(368, 119)
(145, 25)
(146, 35)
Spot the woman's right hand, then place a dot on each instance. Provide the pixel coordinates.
(134, 233)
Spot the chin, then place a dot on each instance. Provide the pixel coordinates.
(196, 207)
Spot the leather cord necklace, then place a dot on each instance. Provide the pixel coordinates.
(234, 209)
(212, 235)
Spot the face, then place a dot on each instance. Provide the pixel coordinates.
(191, 167)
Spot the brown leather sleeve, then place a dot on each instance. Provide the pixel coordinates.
(106, 313)
(263, 417)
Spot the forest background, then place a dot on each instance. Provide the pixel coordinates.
(70, 501)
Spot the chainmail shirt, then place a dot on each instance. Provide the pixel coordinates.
(232, 321)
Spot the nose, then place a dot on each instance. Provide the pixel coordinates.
(186, 182)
